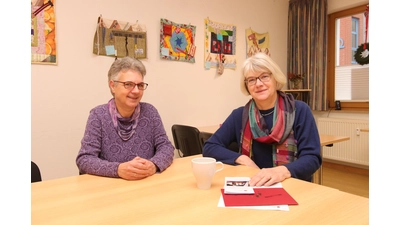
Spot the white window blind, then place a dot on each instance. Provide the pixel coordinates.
(352, 83)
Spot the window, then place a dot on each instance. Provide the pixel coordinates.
(354, 38)
(348, 81)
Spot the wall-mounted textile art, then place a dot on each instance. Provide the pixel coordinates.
(177, 41)
(256, 42)
(43, 32)
(220, 45)
(117, 38)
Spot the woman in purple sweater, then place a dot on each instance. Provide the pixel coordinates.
(275, 133)
(125, 137)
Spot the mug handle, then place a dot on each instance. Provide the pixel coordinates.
(222, 166)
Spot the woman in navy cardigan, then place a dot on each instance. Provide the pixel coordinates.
(275, 133)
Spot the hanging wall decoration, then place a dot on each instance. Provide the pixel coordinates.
(177, 41)
(256, 42)
(362, 54)
(118, 39)
(43, 32)
(220, 45)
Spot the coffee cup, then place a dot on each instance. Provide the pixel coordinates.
(204, 169)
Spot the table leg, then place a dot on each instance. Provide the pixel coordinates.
(317, 176)
(320, 175)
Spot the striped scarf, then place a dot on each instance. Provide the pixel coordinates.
(284, 146)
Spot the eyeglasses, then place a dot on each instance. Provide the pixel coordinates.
(130, 85)
(265, 77)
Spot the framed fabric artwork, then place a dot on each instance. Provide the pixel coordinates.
(118, 39)
(220, 46)
(43, 32)
(256, 42)
(177, 41)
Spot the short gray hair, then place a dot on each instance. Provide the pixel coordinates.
(261, 62)
(125, 64)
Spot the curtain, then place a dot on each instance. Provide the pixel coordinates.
(307, 48)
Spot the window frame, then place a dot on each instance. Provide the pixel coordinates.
(331, 58)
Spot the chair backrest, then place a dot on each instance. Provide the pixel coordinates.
(234, 147)
(186, 139)
(35, 173)
(204, 136)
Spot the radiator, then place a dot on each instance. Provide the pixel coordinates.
(355, 150)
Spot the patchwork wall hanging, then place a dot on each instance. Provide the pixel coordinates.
(220, 45)
(177, 41)
(256, 42)
(43, 32)
(119, 39)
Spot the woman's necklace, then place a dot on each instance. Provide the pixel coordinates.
(267, 114)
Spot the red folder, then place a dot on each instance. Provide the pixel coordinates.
(261, 196)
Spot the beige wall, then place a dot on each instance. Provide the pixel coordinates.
(183, 93)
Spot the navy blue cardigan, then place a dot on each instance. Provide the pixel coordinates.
(305, 132)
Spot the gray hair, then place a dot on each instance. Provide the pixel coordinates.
(125, 64)
(261, 62)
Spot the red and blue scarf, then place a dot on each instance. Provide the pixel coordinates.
(281, 134)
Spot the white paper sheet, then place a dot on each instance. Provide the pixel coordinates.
(237, 185)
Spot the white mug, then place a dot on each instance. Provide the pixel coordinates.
(204, 169)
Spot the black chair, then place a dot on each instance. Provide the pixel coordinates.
(35, 173)
(186, 140)
(234, 147)
(204, 136)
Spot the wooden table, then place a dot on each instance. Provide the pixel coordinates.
(329, 140)
(326, 140)
(172, 197)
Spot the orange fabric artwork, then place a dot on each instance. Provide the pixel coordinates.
(43, 32)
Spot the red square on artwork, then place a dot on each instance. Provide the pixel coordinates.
(227, 48)
(167, 30)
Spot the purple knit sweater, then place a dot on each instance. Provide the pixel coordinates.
(102, 150)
